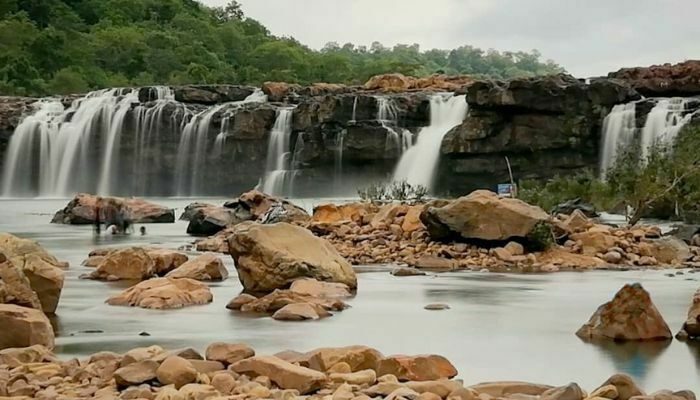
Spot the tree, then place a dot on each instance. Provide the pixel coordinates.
(68, 81)
(231, 12)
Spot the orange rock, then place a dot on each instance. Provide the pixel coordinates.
(417, 368)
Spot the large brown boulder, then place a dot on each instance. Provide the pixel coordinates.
(270, 257)
(207, 221)
(24, 327)
(483, 215)
(351, 212)
(268, 209)
(417, 368)
(228, 353)
(163, 293)
(131, 263)
(44, 272)
(278, 299)
(15, 287)
(682, 79)
(166, 260)
(691, 327)
(284, 374)
(358, 358)
(630, 315)
(82, 210)
(670, 250)
(391, 83)
(207, 267)
(300, 312)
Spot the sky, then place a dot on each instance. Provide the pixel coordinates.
(587, 37)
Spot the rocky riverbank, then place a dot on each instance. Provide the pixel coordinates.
(235, 371)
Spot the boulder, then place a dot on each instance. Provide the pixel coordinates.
(131, 263)
(568, 392)
(691, 327)
(282, 373)
(274, 301)
(593, 242)
(46, 280)
(268, 257)
(15, 287)
(630, 315)
(207, 267)
(81, 210)
(166, 260)
(483, 215)
(239, 301)
(625, 386)
(576, 222)
(136, 373)
(176, 371)
(228, 353)
(351, 212)
(192, 208)
(209, 94)
(358, 358)
(575, 205)
(16, 356)
(300, 312)
(163, 293)
(24, 327)
(670, 250)
(417, 368)
(210, 220)
(431, 262)
(403, 271)
(268, 209)
(278, 91)
(390, 83)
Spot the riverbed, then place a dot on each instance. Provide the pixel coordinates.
(499, 326)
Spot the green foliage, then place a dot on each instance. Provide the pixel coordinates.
(583, 185)
(541, 237)
(145, 42)
(385, 192)
(668, 179)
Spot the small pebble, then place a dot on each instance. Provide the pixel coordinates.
(144, 333)
(437, 307)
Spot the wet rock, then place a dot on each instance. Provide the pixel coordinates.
(210, 220)
(417, 368)
(691, 327)
(176, 371)
(625, 386)
(17, 356)
(136, 373)
(631, 315)
(300, 312)
(483, 215)
(24, 327)
(192, 208)
(228, 353)
(613, 257)
(670, 250)
(239, 301)
(163, 293)
(437, 307)
(211, 94)
(15, 287)
(129, 264)
(431, 262)
(594, 242)
(207, 267)
(571, 206)
(269, 257)
(282, 373)
(81, 210)
(403, 271)
(276, 300)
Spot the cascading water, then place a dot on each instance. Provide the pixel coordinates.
(419, 163)
(279, 173)
(193, 148)
(387, 115)
(66, 142)
(618, 131)
(663, 123)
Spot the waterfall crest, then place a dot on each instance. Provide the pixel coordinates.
(618, 132)
(418, 165)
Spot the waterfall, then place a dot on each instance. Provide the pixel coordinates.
(618, 131)
(663, 123)
(418, 165)
(387, 115)
(354, 110)
(193, 149)
(279, 173)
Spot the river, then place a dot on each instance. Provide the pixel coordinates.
(499, 327)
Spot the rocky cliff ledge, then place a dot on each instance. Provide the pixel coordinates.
(544, 125)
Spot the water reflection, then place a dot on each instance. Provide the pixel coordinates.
(694, 348)
(635, 358)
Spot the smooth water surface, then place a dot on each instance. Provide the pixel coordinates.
(499, 327)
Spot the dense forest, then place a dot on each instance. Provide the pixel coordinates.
(72, 46)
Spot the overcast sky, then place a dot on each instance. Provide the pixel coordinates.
(588, 37)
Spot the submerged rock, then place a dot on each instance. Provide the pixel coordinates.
(269, 257)
(163, 293)
(691, 327)
(483, 215)
(630, 315)
(300, 312)
(81, 210)
(24, 327)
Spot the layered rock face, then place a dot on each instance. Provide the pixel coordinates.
(343, 138)
(682, 79)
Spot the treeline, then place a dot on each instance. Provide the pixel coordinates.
(72, 46)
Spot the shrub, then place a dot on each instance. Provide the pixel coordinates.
(393, 191)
